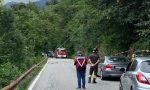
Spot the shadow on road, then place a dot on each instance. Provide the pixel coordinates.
(115, 79)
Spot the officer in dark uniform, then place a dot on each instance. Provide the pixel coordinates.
(94, 60)
(80, 61)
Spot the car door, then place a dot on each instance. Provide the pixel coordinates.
(124, 77)
(130, 75)
(123, 81)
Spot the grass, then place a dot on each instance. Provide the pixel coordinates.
(27, 81)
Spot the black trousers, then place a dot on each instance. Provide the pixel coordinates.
(93, 69)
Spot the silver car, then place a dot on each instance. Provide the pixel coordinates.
(137, 75)
(110, 66)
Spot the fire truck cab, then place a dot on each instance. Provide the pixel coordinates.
(60, 53)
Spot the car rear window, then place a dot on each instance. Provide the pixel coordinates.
(145, 66)
(63, 50)
(118, 59)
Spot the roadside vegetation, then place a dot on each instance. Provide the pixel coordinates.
(27, 30)
(29, 79)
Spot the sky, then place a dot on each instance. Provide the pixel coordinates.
(25, 1)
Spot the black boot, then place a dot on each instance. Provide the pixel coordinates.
(89, 81)
(94, 80)
(83, 87)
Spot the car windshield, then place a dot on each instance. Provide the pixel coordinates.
(118, 59)
(145, 66)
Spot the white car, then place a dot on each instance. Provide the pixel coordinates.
(137, 75)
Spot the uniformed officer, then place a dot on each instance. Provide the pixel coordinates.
(80, 61)
(94, 60)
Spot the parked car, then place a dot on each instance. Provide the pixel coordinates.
(110, 66)
(50, 53)
(137, 75)
(60, 53)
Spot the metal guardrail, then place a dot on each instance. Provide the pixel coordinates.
(129, 53)
(17, 81)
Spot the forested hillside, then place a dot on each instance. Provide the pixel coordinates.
(27, 30)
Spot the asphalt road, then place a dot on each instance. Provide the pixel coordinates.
(60, 74)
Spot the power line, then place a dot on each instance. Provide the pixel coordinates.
(71, 37)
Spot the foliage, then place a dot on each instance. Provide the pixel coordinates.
(24, 84)
(27, 30)
(8, 73)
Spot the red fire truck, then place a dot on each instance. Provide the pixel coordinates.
(60, 53)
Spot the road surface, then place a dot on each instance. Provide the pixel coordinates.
(60, 74)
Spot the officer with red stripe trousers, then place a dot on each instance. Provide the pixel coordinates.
(80, 61)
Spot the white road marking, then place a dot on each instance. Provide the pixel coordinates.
(37, 78)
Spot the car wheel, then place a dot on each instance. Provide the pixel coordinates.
(101, 75)
(120, 86)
